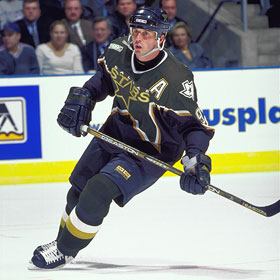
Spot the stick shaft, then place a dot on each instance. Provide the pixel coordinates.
(267, 211)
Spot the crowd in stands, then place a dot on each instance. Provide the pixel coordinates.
(68, 36)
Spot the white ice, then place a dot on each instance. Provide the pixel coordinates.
(163, 233)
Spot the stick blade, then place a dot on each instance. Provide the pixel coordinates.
(272, 209)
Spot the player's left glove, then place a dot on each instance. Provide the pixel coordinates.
(197, 174)
(76, 110)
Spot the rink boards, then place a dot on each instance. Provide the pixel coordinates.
(242, 106)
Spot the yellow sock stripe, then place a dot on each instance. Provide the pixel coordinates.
(42, 172)
(63, 219)
(62, 223)
(78, 228)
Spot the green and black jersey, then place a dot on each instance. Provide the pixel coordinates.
(154, 110)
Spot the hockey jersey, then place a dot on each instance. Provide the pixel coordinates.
(155, 110)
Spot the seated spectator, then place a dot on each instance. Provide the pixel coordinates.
(79, 30)
(111, 6)
(16, 58)
(188, 52)
(10, 10)
(58, 56)
(120, 19)
(101, 30)
(140, 3)
(34, 29)
(273, 14)
(170, 6)
(53, 9)
(95, 8)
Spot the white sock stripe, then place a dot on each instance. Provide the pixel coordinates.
(64, 216)
(81, 226)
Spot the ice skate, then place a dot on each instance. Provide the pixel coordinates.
(50, 258)
(44, 247)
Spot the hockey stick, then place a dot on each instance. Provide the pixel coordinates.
(266, 211)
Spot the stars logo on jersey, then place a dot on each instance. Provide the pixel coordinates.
(125, 88)
(188, 89)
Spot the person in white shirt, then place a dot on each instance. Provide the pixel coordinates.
(59, 56)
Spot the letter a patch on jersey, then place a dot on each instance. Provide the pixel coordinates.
(188, 90)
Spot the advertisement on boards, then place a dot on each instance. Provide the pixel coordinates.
(20, 131)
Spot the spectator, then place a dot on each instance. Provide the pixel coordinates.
(94, 8)
(79, 30)
(120, 19)
(170, 6)
(16, 58)
(273, 14)
(186, 51)
(34, 29)
(58, 56)
(111, 6)
(10, 10)
(141, 3)
(101, 30)
(53, 9)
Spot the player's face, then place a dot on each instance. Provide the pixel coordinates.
(144, 41)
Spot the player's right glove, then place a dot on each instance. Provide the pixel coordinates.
(76, 110)
(197, 174)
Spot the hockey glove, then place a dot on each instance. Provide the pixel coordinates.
(76, 110)
(197, 174)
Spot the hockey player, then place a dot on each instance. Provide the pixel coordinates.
(154, 110)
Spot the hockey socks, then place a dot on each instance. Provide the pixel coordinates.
(76, 234)
(85, 219)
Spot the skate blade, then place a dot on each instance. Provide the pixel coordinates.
(31, 266)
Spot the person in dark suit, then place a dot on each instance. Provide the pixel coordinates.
(170, 6)
(79, 30)
(94, 8)
(34, 29)
(120, 19)
(101, 30)
(53, 9)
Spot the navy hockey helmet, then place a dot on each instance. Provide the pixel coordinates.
(154, 19)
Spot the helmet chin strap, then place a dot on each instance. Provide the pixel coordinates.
(158, 47)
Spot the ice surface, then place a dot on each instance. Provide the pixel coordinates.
(163, 233)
